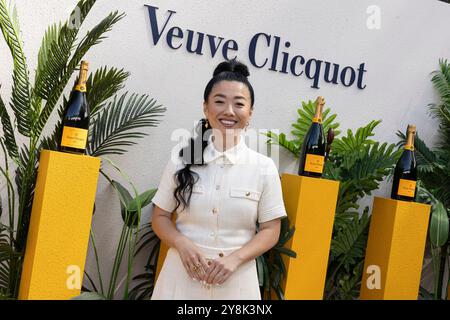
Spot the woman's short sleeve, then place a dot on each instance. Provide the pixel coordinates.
(271, 204)
(164, 197)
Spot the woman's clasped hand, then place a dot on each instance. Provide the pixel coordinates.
(207, 271)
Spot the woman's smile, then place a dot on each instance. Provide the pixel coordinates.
(228, 123)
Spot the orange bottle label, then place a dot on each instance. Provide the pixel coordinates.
(80, 87)
(406, 188)
(74, 137)
(314, 163)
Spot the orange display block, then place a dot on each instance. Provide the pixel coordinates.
(310, 204)
(60, 224)
(395, 250)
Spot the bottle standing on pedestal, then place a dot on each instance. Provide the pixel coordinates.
(405, 174)
(75, 124)
(312, 155)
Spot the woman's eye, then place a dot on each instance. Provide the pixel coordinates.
(240, 105)
(219, 101)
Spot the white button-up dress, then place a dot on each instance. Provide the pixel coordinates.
(236, 189)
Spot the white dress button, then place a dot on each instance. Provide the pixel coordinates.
(212, 234)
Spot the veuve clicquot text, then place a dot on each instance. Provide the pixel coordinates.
(312, 154)
(75, 124)
(405, 174)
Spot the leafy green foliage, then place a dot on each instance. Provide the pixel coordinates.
(116, 125)
(146, 280)
(10, 139)
(271, 265)
(58, 58)
(360, 164)
(21, 84)
(92, 38)
(104, 84)
(434, 174)
(301, 127)
(349, 243)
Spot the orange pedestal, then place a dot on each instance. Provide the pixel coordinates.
(60, 223)
(395, 249)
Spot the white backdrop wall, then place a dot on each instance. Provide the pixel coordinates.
(398, 57)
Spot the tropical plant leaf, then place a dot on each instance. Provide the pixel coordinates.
(115, 126)
(10, 140)
(102, 85)
(427, 160)
(350, 243)
(21, 101)
(301, 127)
(92, 38)
(291, 145)
(441, 110)
(129, 205)
(55, 52)
(145, 199)
(352, 142)
(439, 225)
(144, 289)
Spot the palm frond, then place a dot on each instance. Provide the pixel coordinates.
(441, 81)
(58, 68)
(55, 51)
(51, 142)
(441, 110)
(21, 102)
(115, 126)
(102, 85)
(8, 131)
(95, 36)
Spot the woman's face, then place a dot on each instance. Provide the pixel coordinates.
(228, 108)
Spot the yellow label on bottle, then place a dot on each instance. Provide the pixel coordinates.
(406, 188)
(314, 163)
(409, 147)
(317, 120)
(80, 87)
(74, 137)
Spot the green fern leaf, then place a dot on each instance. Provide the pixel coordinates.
(10, 140)
(58, 69)
(21, 101)
(102, 85)
(116, 125)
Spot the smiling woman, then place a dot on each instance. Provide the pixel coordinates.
(219, 196)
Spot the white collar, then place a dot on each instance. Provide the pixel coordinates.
(230, 156)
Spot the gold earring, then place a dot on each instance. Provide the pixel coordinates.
(207, 124)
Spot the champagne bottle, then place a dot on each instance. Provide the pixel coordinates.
(405, 174)
(312, 155)
(76, 117)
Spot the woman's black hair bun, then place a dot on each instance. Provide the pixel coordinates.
(232, 66)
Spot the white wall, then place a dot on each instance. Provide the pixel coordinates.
(398, 58)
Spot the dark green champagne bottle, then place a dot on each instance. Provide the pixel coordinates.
(405, 174)
(76, 117)
(312, 155)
